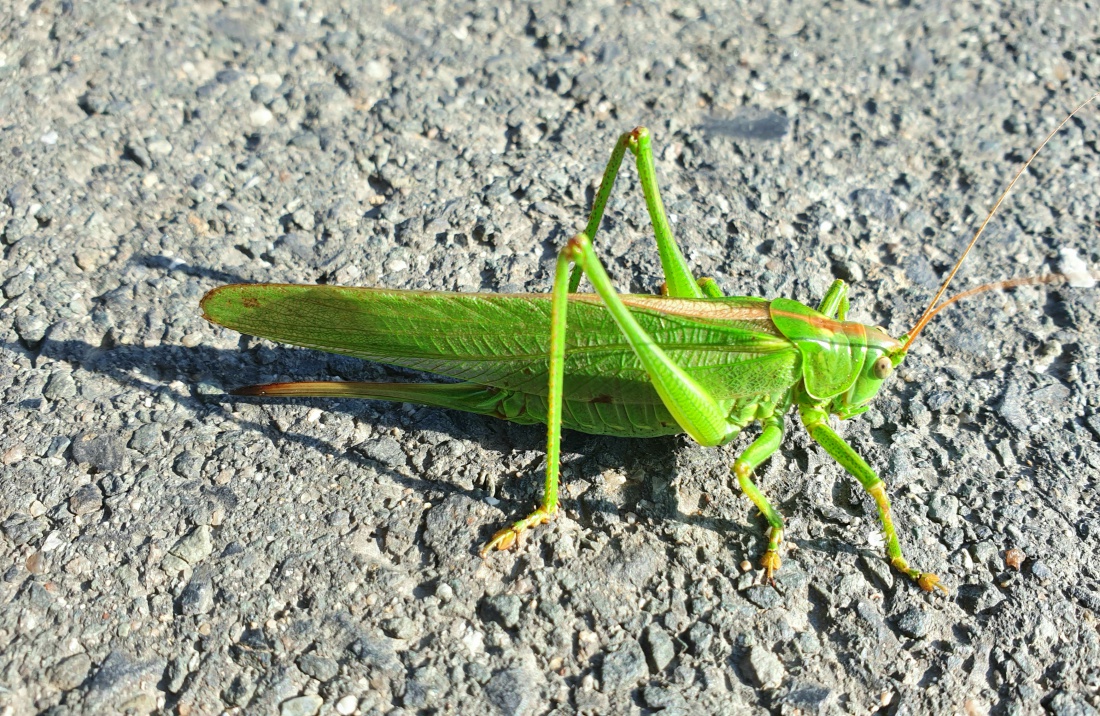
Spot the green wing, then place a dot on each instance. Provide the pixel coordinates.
(730, 346)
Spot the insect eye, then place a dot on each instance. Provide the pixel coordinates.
(882, 367)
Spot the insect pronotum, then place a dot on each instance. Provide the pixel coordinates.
(691, 360)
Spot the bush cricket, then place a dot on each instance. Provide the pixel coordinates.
(690, 360)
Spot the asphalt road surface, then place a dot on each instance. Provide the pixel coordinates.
(167, 547)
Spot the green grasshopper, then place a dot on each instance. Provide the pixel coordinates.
(690, 360)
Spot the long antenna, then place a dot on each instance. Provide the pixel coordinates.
(932, 309)
(1007, 283)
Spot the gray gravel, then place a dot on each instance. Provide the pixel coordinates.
(169, 548)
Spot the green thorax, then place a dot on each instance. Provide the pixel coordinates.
(839, 358)
(833, 352)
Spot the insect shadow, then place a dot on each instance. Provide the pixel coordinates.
(174, 265)
(150, 369)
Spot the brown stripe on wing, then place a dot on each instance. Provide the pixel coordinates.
(701, 308)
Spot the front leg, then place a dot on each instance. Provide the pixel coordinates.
(815, 419)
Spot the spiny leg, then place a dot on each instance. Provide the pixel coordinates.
(678, 277)
(559, 304)
(815, 420)
(759, 451)
(691, 405)
(610, 172)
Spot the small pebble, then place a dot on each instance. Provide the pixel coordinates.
(301, 706)
(765, 668)
(60, 386)
(659, 648)
(347, 705)
(85, 500)
(260, 116)
(504, 609)
(160, 147)
(70, 672)
(14, 454)
(197, 597)
(36, 563)
(53, 541)
(624, 667)
(914, 623)
(319, 667)
(103, 452)
(196, 546)
(763, 596)
(146, 438)
(400, 628)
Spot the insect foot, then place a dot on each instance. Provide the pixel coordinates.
(925, 580)
(770, 562)
(508, 536)
(929, 582)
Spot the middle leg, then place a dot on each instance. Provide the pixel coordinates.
(835, 302)
(559, 304)
(759, 451)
